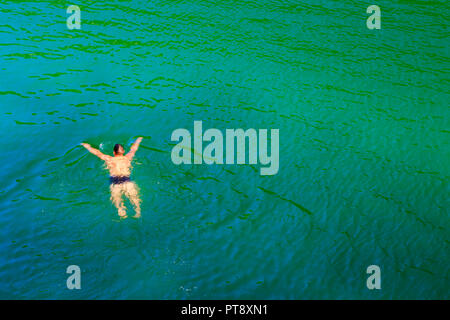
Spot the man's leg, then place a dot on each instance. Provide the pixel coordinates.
(132, 192)
(116, 198)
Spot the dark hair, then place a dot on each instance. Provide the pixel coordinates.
(117, 146)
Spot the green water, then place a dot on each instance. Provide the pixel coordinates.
(364, 149)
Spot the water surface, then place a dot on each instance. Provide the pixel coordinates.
(364, 148)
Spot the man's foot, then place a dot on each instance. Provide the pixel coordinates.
(137, 215)
(122, 214)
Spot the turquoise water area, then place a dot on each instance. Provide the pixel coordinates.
(364, 149)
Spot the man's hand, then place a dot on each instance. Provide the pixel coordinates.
(96, 152)
(134, 148)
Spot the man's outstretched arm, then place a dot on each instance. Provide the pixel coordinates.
(96, 152)
(134, 148)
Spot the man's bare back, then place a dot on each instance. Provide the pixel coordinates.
(119, 167)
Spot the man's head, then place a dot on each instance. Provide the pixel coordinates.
(118, 150)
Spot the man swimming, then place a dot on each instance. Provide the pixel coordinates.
(119, 168)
